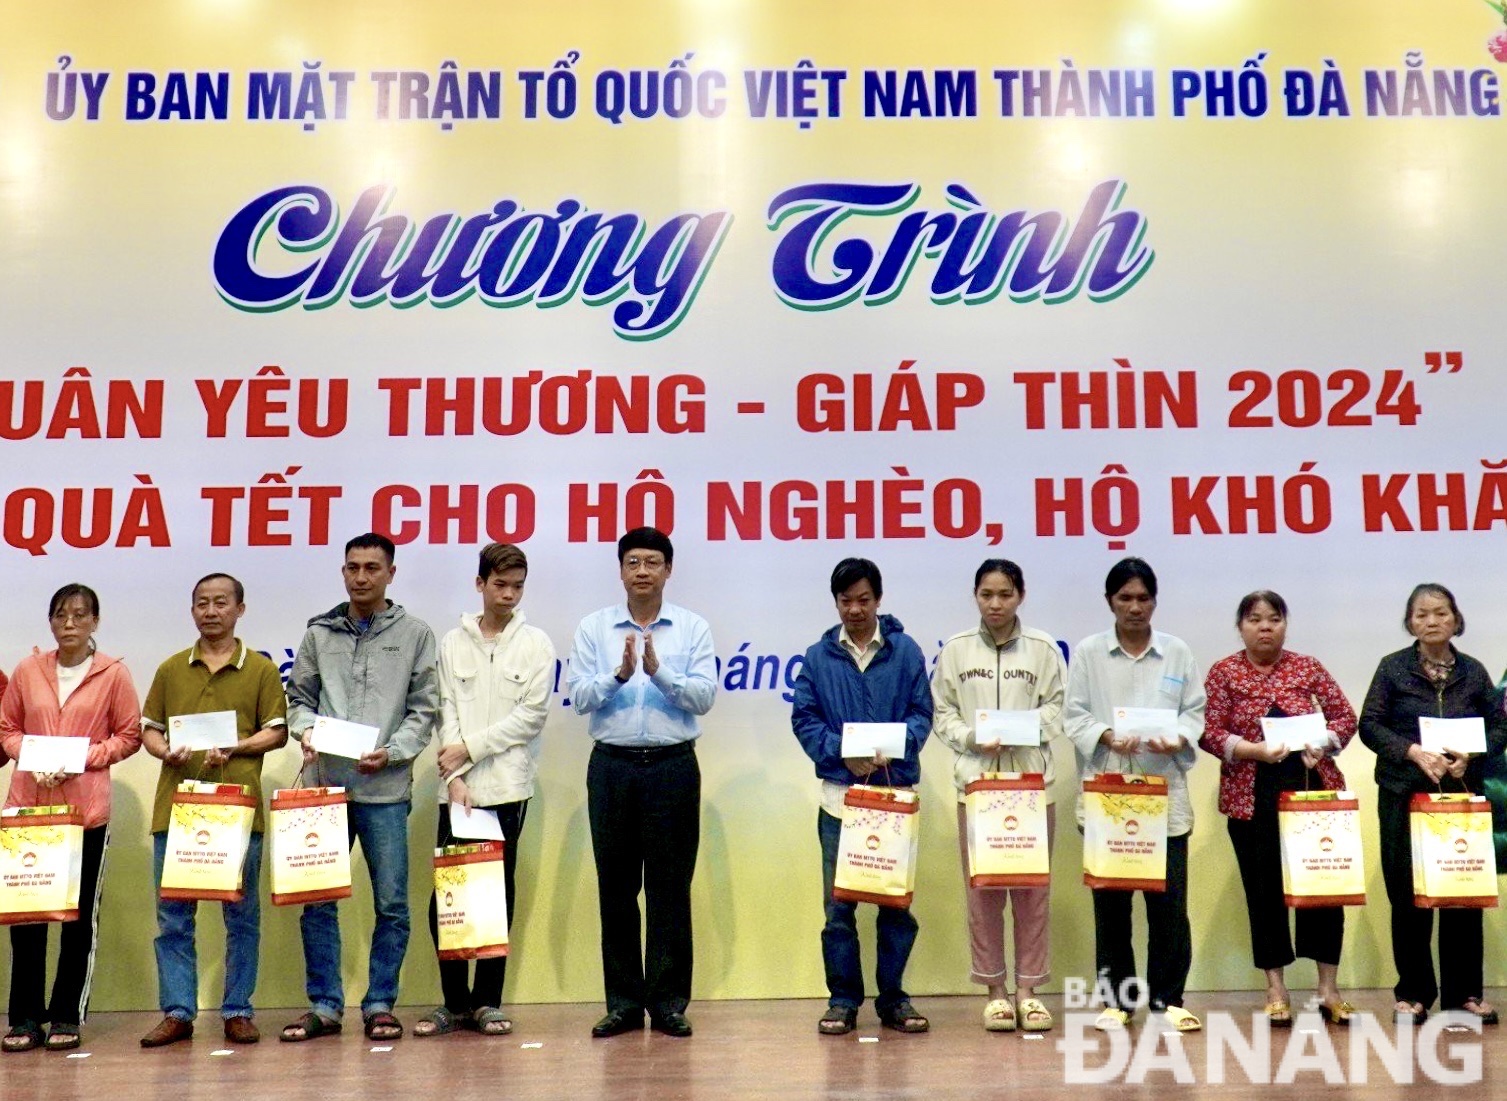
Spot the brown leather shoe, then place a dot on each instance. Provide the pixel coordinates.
(241, 1030)
(168, 1031)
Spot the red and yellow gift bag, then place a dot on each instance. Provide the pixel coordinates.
(471, 898)
(1125, 832)
(876, 851)
(1319, 834)
(207, 839)
(1006, 814)
(1454, 858)
(310, 846)
(41, 864)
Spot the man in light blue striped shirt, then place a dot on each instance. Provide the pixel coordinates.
(644, 670)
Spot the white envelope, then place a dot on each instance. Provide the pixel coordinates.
(340, 738)
(481, 825)
(1147, 723)
(1007, 727)
(211, 730)
(1460, 735)
(53, 753)
(1296, 732)
(867, 739)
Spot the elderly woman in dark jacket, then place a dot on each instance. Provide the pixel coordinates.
(1430, 678)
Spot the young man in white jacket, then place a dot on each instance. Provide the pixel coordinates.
(496, 676)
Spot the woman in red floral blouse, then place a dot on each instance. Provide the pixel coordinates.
(1265, 680)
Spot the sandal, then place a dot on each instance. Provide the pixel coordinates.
(382, 1025)
(439, 1021)
(902, 1017)
(1416, 1012)
(1480, 1009)
(1181, 1020)
(1279, 1014)
(999, 1016)
(1337, 1013)
(308, 1027)
(839, 1020)
(1034, 1017)
(23, 1037)
(490, 1021)
(1111, 1019)
(62, 1037)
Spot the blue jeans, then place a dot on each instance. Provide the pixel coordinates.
(896, 928)
(382, 829)
(177, 960)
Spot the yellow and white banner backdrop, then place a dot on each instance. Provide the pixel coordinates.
(1214, 282)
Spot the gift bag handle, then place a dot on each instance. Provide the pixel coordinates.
(199, 772)
(1133, 766)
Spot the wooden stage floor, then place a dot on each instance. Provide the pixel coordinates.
(757, 1049)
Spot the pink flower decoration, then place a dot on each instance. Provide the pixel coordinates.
(1496, 45)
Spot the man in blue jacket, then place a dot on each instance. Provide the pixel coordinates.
(864, 670)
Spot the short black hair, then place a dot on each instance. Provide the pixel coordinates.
(1000, 565)
(1127, 570)
(68, 592)
(374, 541)
(240, 590)
(1261, 596)
(649, 539)
(1433, 588)
(499, 558)
(850, 571)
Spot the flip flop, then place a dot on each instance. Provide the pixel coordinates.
(62, 1037)
(1336, 1013)
(491, 1021)
(1110, 1019)
(382, 1025)
(1034, 1017)
(1181, 1020)
(1487, 1014)
(308, 1027)
(439, 1021)
(999, 1016)
(902, 1017)
(839, 1020)
(1279, 1014)
(26, 1036)
(1416, 1012)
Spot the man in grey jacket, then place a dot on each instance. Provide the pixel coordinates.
(365, 661)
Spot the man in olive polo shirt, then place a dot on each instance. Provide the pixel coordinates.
(216, 673)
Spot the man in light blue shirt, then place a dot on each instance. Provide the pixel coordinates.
(644, 670)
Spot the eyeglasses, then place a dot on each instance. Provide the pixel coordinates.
(633, 562)
(70, 619)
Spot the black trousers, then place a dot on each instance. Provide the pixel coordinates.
(1169, 941)
(1258, 852)
(77, 941)
(1460, 937)
(645, 809)
(462, 996)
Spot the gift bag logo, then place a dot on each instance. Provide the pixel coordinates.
(1461, 844)
(871, 842)
(202, 837)
(1326, 844)
(28, 859)
(1011, 823)
(1132, 827)
(311, 840)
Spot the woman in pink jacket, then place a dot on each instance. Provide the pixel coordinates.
(78, 692)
